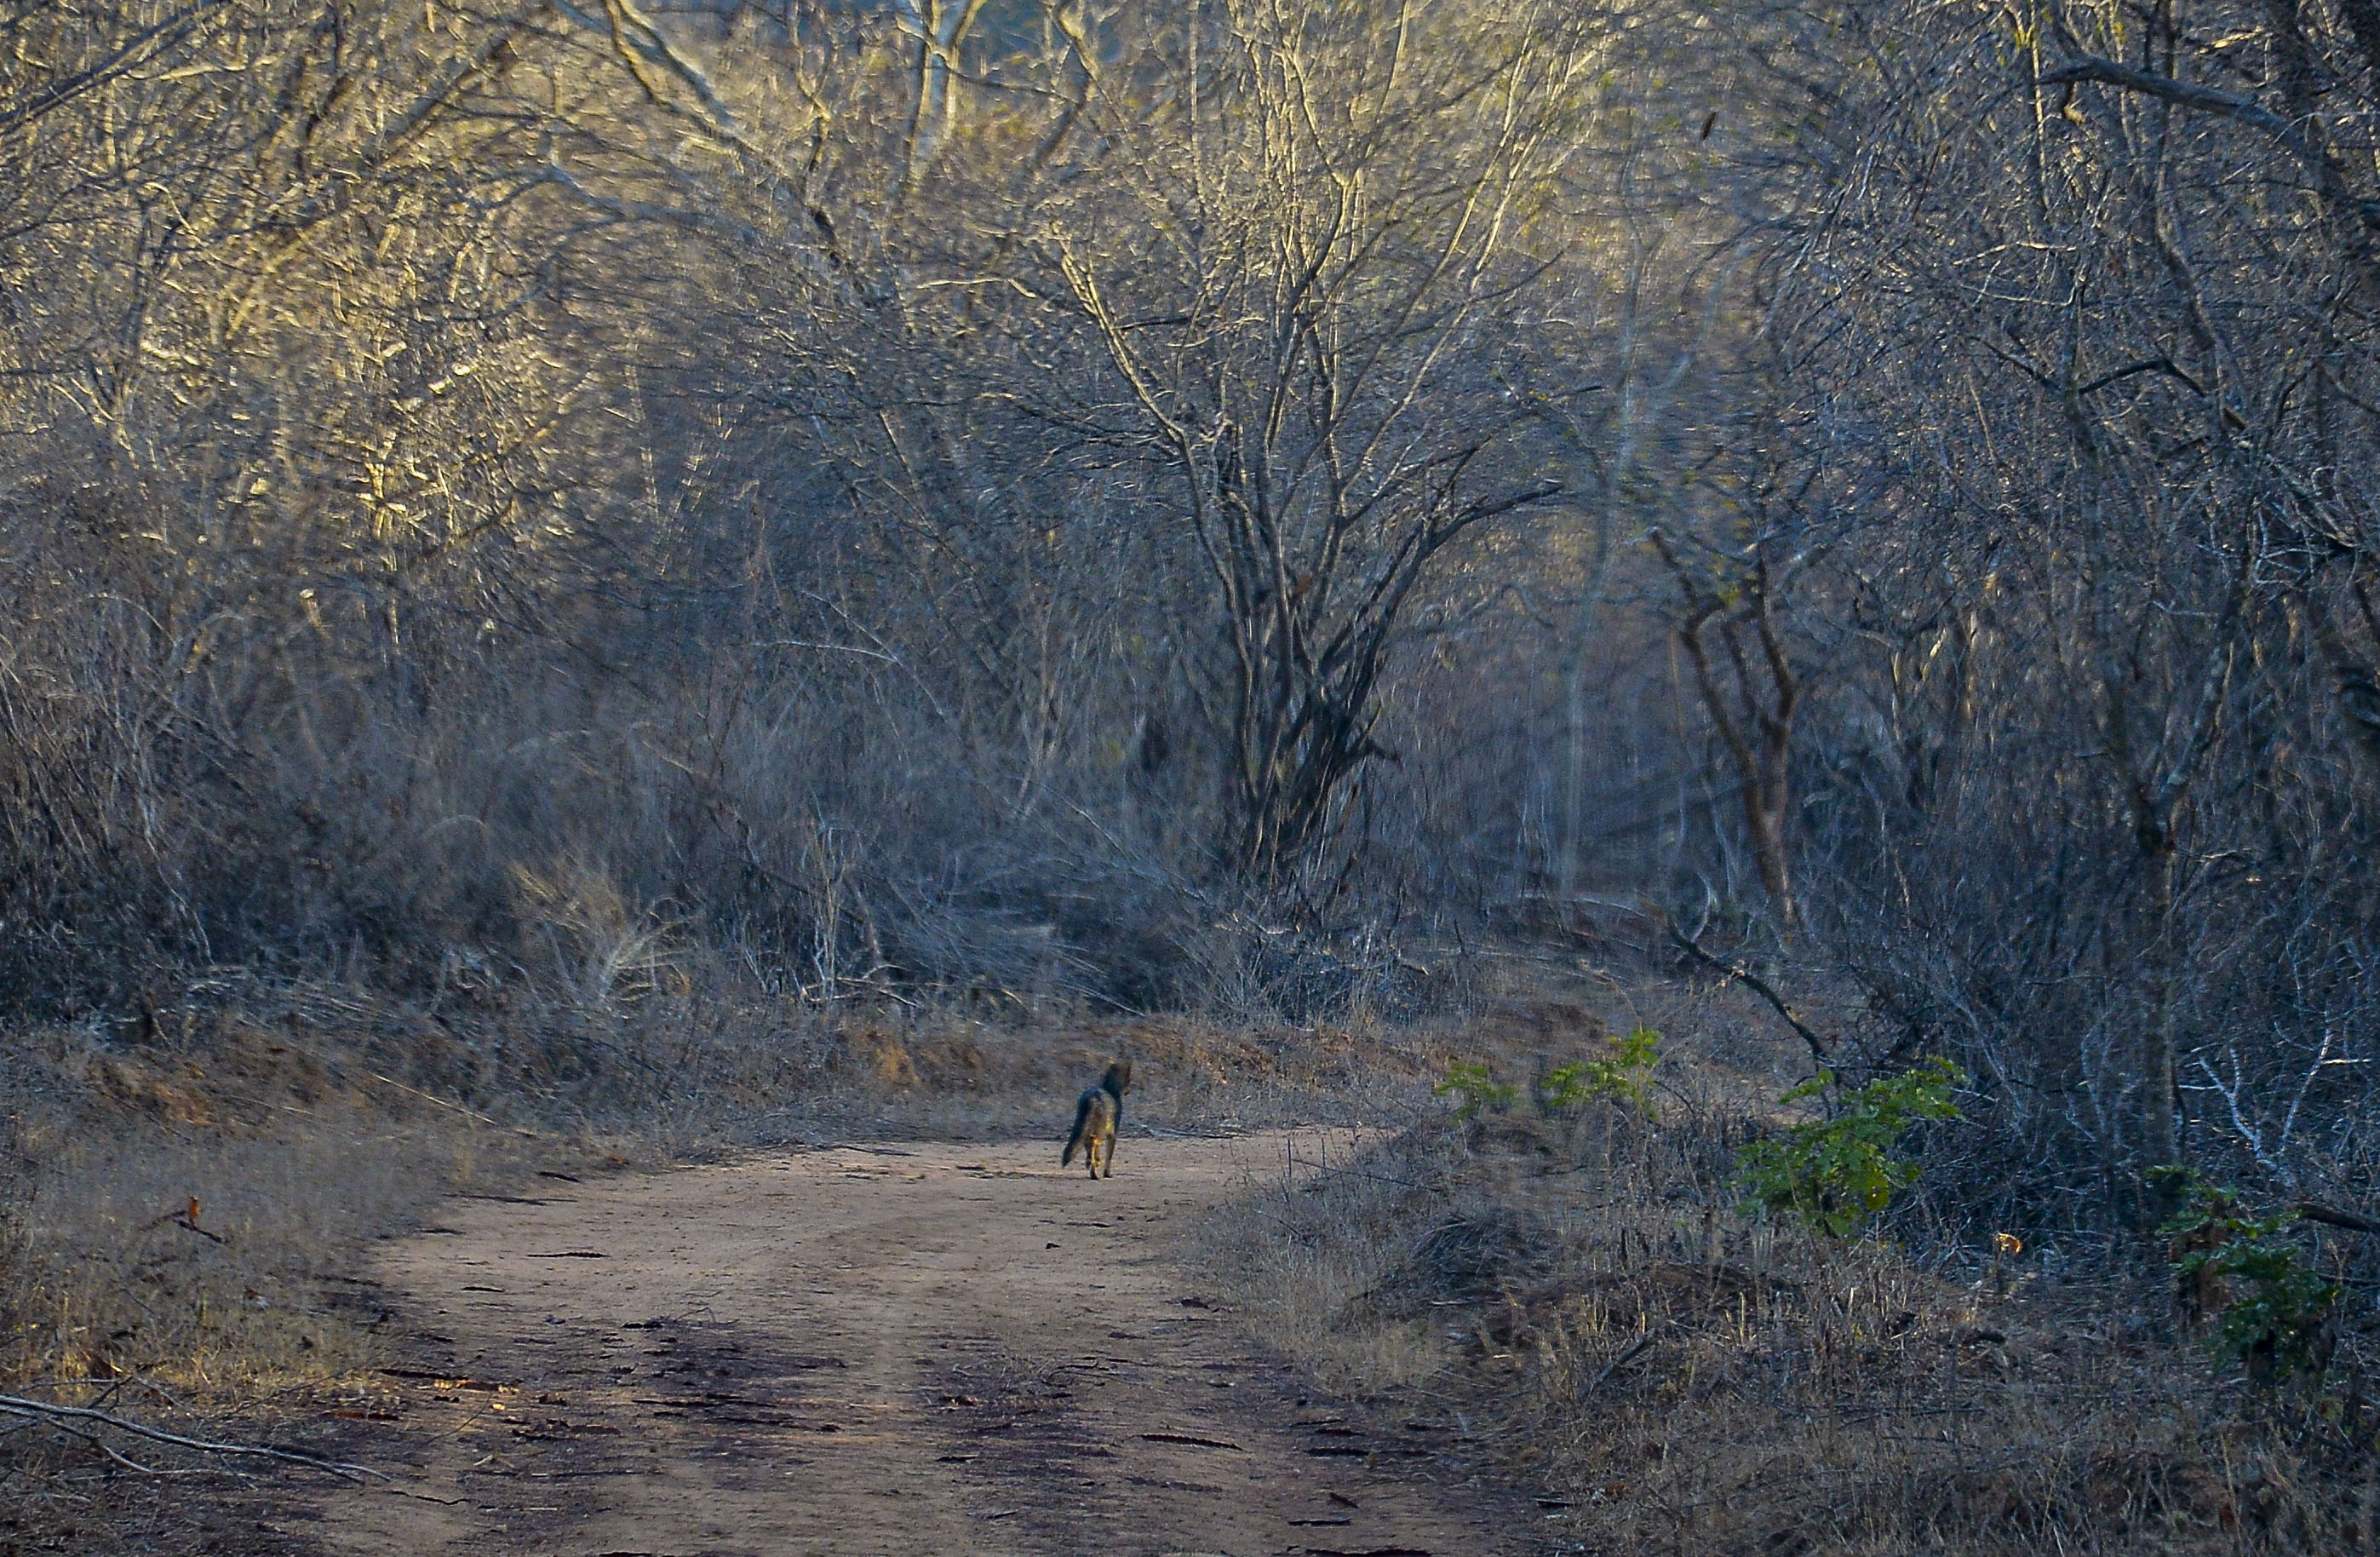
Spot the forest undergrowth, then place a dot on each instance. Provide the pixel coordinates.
(190, 1197)
(1543, 1240)
(1584, 1295)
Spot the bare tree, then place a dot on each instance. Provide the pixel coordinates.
(1346, 219)
(2093, 319)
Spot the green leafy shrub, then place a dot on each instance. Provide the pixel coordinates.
(1476, 1088)
(1833, 1174)
(2275, 1314)
(1624, 1075)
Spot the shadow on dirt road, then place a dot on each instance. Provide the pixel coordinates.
(913, 1349)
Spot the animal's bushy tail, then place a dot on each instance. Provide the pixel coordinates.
(1082, 1124)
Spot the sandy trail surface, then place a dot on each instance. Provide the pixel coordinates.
(913, 1349)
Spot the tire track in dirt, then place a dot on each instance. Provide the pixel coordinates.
(912, 1349)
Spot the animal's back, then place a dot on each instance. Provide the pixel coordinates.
(1094, 1122)
(1099, 1115)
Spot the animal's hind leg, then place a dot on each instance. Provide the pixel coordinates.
(1107, 1164)
(1091, 1157)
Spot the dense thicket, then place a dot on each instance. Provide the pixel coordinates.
(2095, 289)
(1222, 505)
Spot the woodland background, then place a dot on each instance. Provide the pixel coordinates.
(1250, 508)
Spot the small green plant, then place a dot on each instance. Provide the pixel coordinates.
(1833, 1174)
(1624, 1075)
(2275, 1312)
(1476, 1088)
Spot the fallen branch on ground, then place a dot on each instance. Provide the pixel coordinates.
(1634, 1349)
(2332, 1216)
(64, 1416)
(107, 1387)
(101, 1444)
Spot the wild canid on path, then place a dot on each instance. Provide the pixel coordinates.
(1099, 1115)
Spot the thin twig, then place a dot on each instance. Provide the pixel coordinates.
(443, 1103)
(40, 1410)
(1758, 985)
(1627, 1356)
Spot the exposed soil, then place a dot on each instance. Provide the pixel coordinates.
(915, 1349)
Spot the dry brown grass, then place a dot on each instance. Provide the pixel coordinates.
(1582, 1299)
(1576, 1296)
(187, 1217)
(955, 1077)
(301, 1122)
(190, 1218)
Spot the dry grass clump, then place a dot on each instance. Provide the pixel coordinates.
(1840, 1401)
(217, 1264)
(956, 1075)
(1581, 1295)
(195, 1225)
(183, 1234)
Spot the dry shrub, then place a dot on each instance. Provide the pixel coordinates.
(1583, 1296)
(1481, 1255)
(195, 1219)
(18, 1176)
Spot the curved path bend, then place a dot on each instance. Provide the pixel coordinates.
(910, 1349)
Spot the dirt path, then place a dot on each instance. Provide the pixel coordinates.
(920, 1349)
